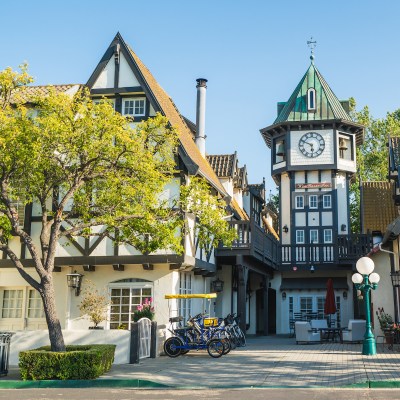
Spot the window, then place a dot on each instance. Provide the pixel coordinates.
(313, 201)
(134, 107)
(327, 235)
(300, 236)
(313, 236)
(185, 287)
(306, 304)
(311, 100)
(299, 202)
(20, 207)
(126, 295)
(12, 303)
(280, 151)
(321, 307)
(327, 201)
(35, 305)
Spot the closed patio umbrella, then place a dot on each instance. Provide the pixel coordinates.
(330, 305)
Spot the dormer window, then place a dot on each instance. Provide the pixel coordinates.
(311, 100)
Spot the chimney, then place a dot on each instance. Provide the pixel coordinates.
(200, 138)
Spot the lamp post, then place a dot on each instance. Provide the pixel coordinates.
(365, 280)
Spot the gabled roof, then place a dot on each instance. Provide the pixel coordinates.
(29, 93)
(328, 105)
(162, 103)
(224, 165)
(378, 206)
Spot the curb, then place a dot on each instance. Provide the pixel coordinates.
(92, 383)
(146, 384)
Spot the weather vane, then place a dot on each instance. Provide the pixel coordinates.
(312, 44)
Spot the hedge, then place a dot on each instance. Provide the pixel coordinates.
(77, 362)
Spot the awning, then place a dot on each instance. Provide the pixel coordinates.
(313, 284)
(191, 296)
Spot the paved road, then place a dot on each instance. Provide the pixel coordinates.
(220, 394)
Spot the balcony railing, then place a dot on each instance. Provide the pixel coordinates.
(252, 240)
(348, 248)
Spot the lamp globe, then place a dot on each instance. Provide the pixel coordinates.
(357, 278)
(374, 278)
(365, 265)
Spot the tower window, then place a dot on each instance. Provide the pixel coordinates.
(327, 201)
(311, 100)
(313, 236)
(313, 201)
(299, 236)
(299, 202)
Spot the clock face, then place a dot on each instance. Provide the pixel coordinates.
(312, 144)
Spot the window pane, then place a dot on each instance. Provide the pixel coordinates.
(35, 305)
(12, 304)
(327, 201)
(313, 236)
(313, 201)
(121, 311)
(299, 202)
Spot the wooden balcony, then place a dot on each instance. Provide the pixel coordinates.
(253, 242)
(347, 250)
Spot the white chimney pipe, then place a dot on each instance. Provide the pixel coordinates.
(200, 138)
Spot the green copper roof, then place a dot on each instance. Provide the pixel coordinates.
(328, 105)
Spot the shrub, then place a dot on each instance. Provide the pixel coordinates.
(78, 362)
(94, 304)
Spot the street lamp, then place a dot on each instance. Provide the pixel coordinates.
(365, 280)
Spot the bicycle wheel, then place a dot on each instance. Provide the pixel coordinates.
(227, 345)
(215, 348)
(172, 347)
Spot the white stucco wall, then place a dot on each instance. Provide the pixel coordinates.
(23, 341)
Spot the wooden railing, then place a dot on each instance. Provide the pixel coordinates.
(253, 240)
(347, 248)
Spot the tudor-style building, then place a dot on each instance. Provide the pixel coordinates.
(129, 275)
(313, 158)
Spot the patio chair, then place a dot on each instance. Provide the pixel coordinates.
(305, 334)
(355, 331)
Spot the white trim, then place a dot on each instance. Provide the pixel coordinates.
(297, 237)
(134, 106)
(316, 201)
(296, 205)
(330, 201)
(328, 241)
(311, 107)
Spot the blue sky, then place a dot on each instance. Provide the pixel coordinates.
(252, 52)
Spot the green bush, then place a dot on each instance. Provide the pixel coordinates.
(78, 362)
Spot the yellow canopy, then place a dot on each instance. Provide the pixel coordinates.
(191, 296)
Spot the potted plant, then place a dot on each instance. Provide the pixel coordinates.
(144, 310)
(94, 304)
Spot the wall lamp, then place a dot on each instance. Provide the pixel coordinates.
(217, 285)
(283, 295)
(343, 227)
(345, 295)
(74, 281)
(285, 229)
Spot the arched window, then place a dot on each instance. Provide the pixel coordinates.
(126, 295)
(311, 100)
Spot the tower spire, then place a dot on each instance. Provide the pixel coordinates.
(312, 44)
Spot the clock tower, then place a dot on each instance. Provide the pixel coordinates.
(313, 143)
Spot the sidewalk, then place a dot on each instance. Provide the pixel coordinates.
(265, 362)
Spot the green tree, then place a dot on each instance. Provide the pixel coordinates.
(84, 167)
(372, 155)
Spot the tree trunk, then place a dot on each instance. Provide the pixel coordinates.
(53, 323)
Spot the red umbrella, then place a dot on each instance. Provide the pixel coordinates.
(330, 305)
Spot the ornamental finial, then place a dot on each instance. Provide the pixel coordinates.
(312, 44)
